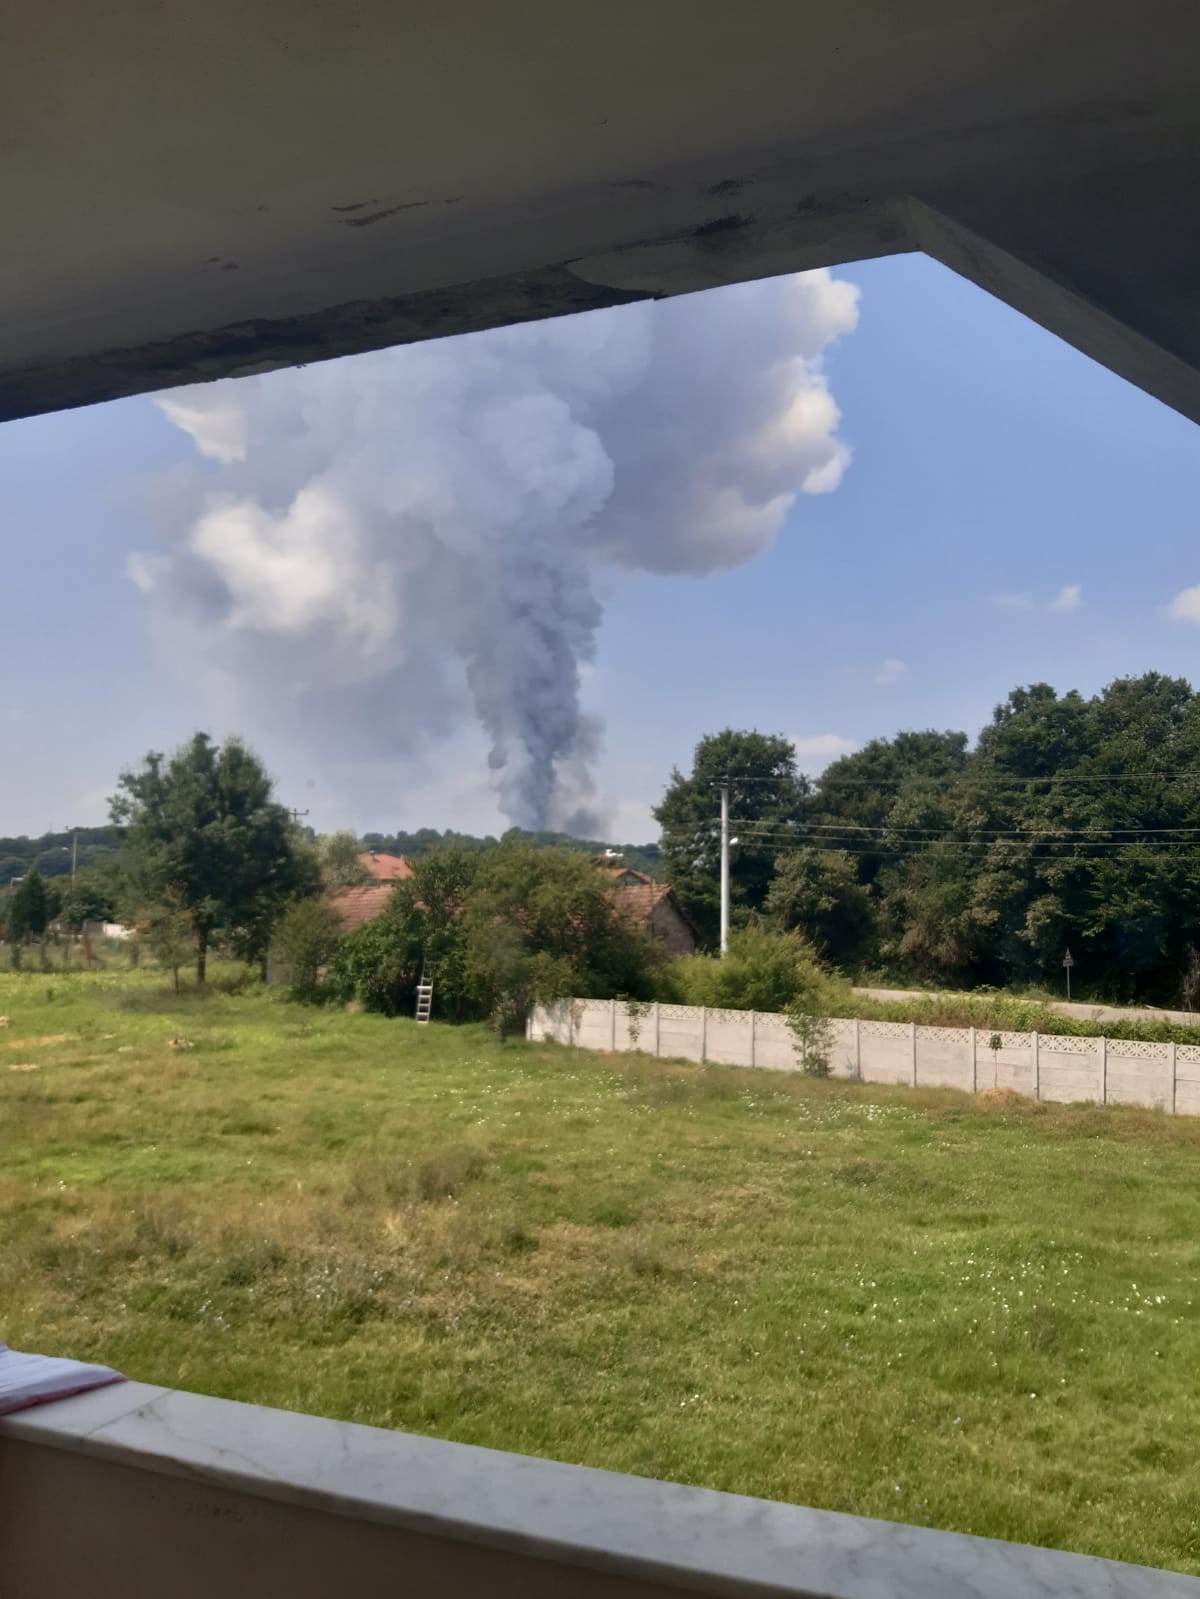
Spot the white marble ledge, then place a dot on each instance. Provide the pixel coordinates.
(694, 1538)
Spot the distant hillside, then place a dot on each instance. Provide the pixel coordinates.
(51, 853)
(642, 857)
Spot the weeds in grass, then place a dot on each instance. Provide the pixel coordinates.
(444, 1175)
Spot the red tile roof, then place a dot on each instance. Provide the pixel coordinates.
(625, 876)
(638, 900)
(355, 906)
(386, 868)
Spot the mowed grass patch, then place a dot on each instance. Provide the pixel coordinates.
(910, 1304)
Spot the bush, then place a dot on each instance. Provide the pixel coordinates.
(495, 933)
(305, 940)
(761, 971)
(379, 965)
(166, 930)
(770, 971)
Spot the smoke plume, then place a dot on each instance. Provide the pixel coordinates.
(382, 545)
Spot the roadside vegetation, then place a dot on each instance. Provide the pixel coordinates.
(977, 1314)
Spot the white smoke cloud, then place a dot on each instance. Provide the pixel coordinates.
(891, 670)
(1068, 598)
(388, 543)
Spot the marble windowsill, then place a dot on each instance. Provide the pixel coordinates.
(695, 1538)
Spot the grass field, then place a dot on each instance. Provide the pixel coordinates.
(982, 1316)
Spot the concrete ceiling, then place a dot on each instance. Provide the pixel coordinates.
(192, 190)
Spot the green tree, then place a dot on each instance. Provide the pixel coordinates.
(342, 865)
(816, 891)
(545, 924)
(16, 919)
(496, 931)
(33, 891)
(95, 894)
(1073, 820)
(304, 941)
(436, 898)
(25, 911)
(201, 825)
(167, 931)
(765, 808)
(882, 802)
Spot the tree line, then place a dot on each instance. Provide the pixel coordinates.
(642, 857)
(57, 854)
(1073, 822)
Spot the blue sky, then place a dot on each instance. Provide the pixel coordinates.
(993, 468)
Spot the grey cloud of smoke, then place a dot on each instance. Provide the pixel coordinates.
(381, 546)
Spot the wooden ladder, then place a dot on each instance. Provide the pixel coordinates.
(424, 1002)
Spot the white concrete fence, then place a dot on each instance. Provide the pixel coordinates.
(1111, 1071)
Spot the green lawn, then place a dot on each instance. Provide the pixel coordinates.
(904, 1304)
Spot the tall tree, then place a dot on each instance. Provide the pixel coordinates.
(95, 894)
(33, 889)
(342, 865)
(816, 892)
(26, 908)
(545, 924)
(765, 806)
(204, 833)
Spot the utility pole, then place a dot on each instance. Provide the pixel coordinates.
(724, 865)
(296, 815)
(74, 850)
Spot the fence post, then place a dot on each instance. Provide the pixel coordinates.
(1103, 1047)
(704, 1032)
(753, 1015)
(612, 1025)
(912, 1044)
(1173, 1055)
(857, 1050)
(974, 1063)
(657, 1028)
(1035, 1063)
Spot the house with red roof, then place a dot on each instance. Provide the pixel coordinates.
(651, 905)
(356, 906)
(644, 902)
(386, 868)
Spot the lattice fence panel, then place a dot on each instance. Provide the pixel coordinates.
(1068, 1044)
(1138, 1049)
(885, 1029)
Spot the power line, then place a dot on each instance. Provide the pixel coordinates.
(917, 835)
(969, 779)
(884, 845)
(1067, 848)
(1183, 852)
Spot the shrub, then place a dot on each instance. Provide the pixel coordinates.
(379, 965)
(305, 941)
(762, 970)
(166, 929)
(770, 971)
